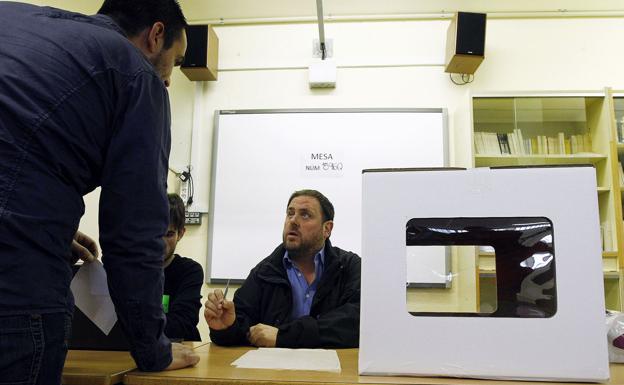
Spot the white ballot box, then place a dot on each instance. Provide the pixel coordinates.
(542, 225)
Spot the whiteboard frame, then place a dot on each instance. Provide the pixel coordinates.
(213, 170)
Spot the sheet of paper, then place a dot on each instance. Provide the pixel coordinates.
(290, 359)
(91, 295)
(97, 278)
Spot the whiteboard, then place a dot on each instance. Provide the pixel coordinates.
(260, 157)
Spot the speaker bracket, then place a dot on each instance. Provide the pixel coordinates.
(329, 48)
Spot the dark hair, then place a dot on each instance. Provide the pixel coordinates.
(176, 211)
(133, 16)
(326, 206)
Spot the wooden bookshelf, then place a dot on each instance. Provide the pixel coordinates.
(616, 107)
(554, 122)
(533, 160)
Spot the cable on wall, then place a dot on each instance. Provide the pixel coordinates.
(465, 79)
(187, 177)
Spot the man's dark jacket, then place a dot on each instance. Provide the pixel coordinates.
(266, 297)
(81, 107)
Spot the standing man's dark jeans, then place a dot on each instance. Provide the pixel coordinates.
(33, 348)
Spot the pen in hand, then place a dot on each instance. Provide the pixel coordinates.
(227, 286)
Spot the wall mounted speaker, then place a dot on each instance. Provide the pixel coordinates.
(465, 43)
(202, 53)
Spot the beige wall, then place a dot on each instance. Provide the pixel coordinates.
(399, 64)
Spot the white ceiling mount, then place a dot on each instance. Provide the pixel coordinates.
(322, 70)
(322, 73)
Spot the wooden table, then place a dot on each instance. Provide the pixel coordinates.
(214, 368)
(90, 367)
(87, 367)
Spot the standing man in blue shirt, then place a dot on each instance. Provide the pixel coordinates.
(306, 294)
(83, 104)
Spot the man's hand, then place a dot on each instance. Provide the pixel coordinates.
(83, 247)
(219, 313)
(183, 356)
(263, 336)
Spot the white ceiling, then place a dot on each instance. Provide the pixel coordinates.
(247, 10)
(214, 9)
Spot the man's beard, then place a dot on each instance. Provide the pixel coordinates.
(294, 252)
(304, 248)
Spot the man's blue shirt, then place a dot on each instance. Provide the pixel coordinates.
(81, 107)
(302, 291)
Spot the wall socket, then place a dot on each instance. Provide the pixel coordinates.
(192, 218)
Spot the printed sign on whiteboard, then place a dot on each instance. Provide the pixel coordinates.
(322, 163)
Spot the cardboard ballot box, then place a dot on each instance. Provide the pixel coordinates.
(543, 225)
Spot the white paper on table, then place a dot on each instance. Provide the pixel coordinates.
(91, 295)
(290, 359)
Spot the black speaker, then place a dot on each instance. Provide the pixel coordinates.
(202, 53)
(465, 42)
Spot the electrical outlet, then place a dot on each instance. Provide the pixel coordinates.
(192, 218)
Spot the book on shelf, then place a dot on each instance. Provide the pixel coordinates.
(513, 147)
(542, 148)
(528, 146)
(503, 143)
(574, 145)
(481, 145)
(491, 143)
(606, 235)
(506, 147)
(514, 143)
(567, 146)
(552, 145)
(520, 140)
(621, 172)
(561, 143)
